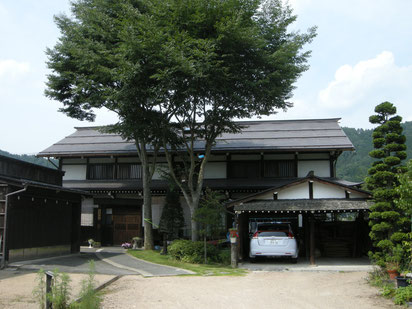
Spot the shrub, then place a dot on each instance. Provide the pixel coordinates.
(224, 256)
(192, 251)
(403, 295)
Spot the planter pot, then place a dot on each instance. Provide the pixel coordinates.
(232, 240)
(402, 281)
(392, 273)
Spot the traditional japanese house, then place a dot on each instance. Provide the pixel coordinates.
(271, 170)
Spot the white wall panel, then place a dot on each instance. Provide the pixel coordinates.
(321, 168)
(300, 191)
(87, 212)
(321, 190)
(74, 172)
(159, 168)
(216, 170)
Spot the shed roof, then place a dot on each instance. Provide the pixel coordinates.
(273, 135)
(306, 205)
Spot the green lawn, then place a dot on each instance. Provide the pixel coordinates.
(199, 269)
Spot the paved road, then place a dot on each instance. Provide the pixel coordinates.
(110, 261)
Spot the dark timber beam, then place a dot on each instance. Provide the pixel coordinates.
(312, 240)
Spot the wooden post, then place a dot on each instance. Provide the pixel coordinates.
(312, 241)
(49, 279)
(233, 255)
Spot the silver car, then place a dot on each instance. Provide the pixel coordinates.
(273, 240)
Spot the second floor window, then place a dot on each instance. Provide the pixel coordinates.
(101, 171)
(279, 168)
(111, 171)
(129, 171)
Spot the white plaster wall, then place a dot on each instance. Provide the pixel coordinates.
(74, 172)
(300, 191)
(215, 170)
(159, 168)
(157, 207)
(321, 190)
(87, 212)
(321, 168)
(267, 196)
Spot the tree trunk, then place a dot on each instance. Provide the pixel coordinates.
(195, 232)
(147, 208)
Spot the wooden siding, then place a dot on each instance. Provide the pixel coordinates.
(24, 170)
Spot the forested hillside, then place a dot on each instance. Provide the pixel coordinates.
(354, 165)
(30, 158)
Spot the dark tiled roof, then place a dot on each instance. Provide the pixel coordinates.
(274, 135)
(132, 185)
(35, 184)
(305, 205)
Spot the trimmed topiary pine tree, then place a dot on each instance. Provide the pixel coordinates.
(386, 219)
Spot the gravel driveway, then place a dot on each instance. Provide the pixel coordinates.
(308, 290)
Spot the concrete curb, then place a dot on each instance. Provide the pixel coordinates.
(138, 271)
(100, 287)
(189, 272)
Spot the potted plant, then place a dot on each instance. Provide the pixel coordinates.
(91, 242)
(392, 268)
(233, 235)
(137, 242)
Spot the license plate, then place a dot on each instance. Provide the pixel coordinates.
(273, 242)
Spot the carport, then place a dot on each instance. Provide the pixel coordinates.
(323, 227)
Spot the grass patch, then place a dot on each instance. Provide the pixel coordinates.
(199, 269)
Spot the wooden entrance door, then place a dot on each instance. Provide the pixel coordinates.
(125, 227)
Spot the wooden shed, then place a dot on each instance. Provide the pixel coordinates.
(38, 217)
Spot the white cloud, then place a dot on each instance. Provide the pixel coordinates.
(12, 68)
(355, 83)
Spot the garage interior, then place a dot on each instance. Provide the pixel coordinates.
(327, 228)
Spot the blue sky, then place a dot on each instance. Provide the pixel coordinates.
(362, 56)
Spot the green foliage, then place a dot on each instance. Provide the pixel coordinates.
(377, 277)
(89, 298)
(210, 214)
(172, 220)
(59, 296)
(39, 291)
(353, 166)
(192, 251)
(387, 225)
(403, 295)
(388, 290)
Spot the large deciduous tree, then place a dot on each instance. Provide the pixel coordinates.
(202, 63)
(107, 56)
(228, 60)
(387, 219)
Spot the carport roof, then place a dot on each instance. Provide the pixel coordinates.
(317, 205)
